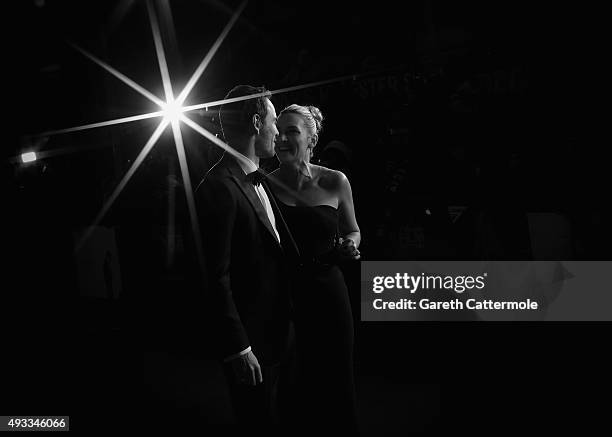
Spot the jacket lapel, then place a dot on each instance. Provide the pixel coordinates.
(237, 175)
(288, 242)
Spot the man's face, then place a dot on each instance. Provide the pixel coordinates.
(264, 142)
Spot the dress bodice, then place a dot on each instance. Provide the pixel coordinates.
(314, 228)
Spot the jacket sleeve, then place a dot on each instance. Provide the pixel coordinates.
(217, 210)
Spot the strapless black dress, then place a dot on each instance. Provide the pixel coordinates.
(323, 322)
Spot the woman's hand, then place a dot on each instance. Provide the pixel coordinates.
(347, 249)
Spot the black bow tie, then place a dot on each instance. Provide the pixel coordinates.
(256, 177)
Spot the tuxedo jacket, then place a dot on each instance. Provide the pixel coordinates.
(247, 286)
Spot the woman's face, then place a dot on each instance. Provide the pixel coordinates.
(294, 139)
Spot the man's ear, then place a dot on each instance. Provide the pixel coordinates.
(314, 139)
(257, 122)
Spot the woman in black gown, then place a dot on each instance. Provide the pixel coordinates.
(317, 205)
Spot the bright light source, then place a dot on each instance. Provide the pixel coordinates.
(28, 157)
(172, 111)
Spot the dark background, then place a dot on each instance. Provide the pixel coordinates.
(479, 107)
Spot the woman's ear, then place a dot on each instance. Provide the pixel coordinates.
(313, 140)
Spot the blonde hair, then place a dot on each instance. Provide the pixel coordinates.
(313, 118)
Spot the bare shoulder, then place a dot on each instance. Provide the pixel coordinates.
(330, 179)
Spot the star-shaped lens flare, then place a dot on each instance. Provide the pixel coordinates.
(172, 113)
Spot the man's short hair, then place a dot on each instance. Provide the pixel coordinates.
(236, 117)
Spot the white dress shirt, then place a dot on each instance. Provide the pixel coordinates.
(247, 167)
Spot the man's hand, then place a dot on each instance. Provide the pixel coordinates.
(246, 369)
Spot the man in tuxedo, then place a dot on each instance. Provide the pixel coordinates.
(247, 245)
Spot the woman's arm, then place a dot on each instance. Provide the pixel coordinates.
(349, 229)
